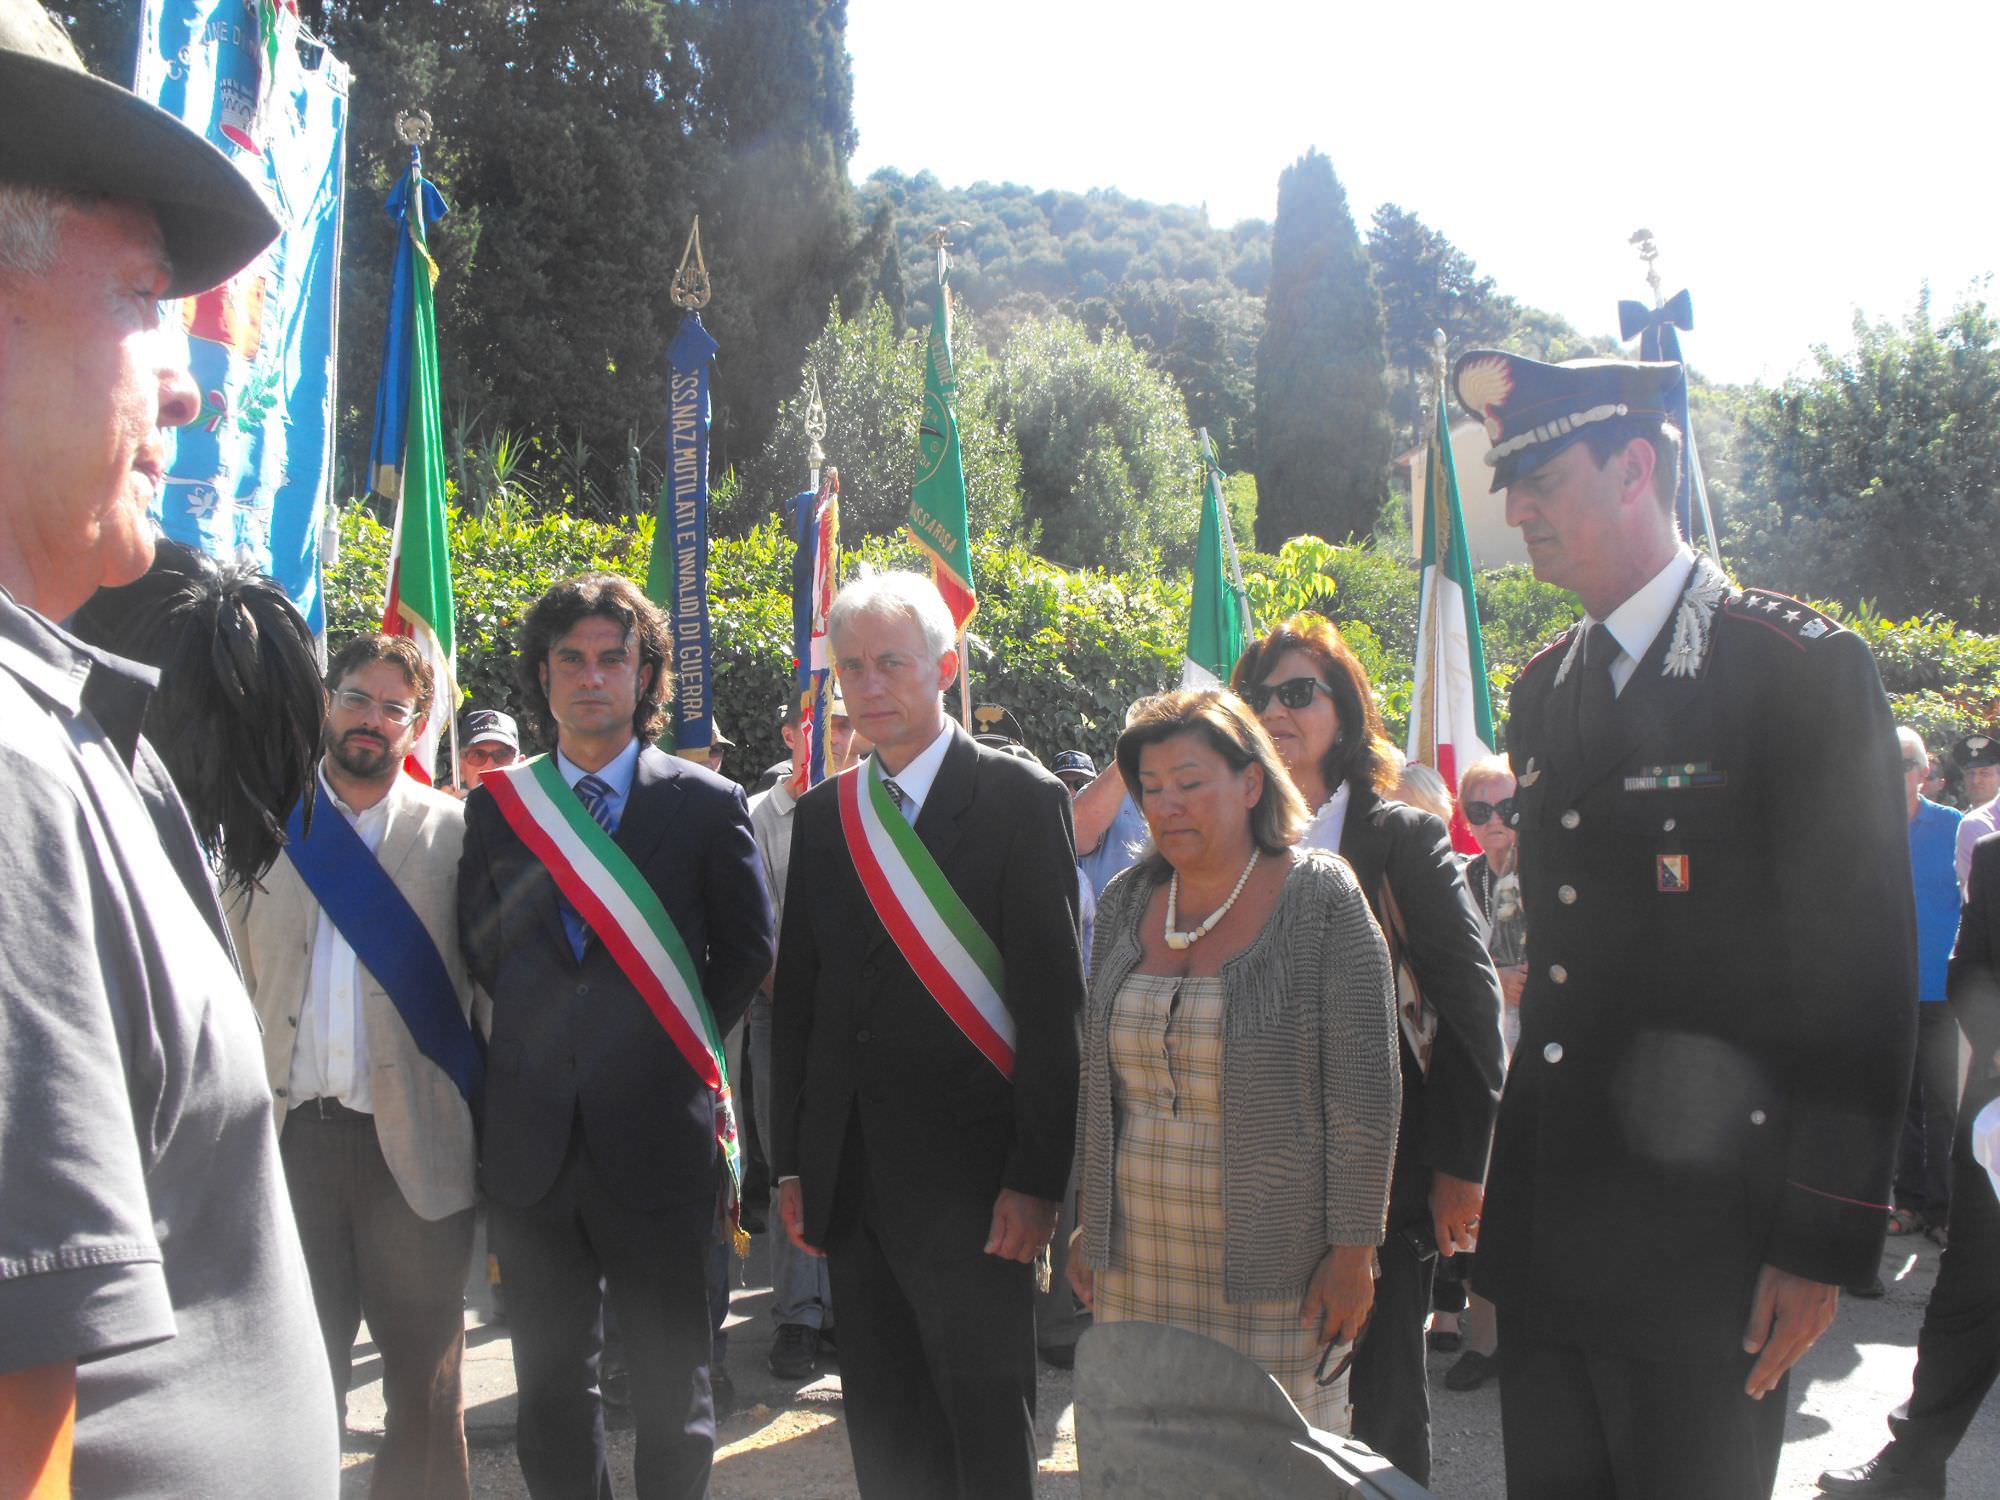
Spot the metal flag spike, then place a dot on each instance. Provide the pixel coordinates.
(815, 428)
(413, 126)
(691, 289)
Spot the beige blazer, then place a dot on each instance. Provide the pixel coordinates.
(421, 1120)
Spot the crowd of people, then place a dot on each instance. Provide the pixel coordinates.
(1230, 1037)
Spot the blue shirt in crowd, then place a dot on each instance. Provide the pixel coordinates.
(1933, 836)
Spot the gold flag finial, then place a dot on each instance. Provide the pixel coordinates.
(691, 289)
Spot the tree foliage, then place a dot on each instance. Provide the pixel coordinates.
(1322, 402)
(1877, 476)
(1109, 466)
(1428, 284)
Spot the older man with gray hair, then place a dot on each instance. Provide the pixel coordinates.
(156, 1327)
(924, 1058)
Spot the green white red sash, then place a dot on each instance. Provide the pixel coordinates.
(614, 900)
(937, 935)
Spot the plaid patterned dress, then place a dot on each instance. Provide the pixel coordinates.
(1166, 1228)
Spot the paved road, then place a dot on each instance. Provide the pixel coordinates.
(786, 1442)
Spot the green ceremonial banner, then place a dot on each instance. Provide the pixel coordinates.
(1218, 618)
(938, 521)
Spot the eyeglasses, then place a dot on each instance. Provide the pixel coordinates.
(1476, 813)
(356, 702)
(489, 753)
(1293, 692)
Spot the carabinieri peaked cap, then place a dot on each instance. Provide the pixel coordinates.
(65, 129)
(1976, 750)
(1532, 410)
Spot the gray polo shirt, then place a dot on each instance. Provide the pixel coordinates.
(144, 1227)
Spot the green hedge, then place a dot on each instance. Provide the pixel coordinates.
(1066, 649)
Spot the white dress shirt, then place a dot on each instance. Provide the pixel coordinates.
(915, 779)
(330, 1060)
(1637, 623)
(1324, 831)
(616, 774)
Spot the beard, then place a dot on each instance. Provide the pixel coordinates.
(364, 756)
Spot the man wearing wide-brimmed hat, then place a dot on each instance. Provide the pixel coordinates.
(157, 1335)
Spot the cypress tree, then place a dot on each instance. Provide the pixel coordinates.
(1322, 399)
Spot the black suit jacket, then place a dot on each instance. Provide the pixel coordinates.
(1972, 983)
(574, 1042)
(1448, 1114)
(1720, 1011)
(856, 1035)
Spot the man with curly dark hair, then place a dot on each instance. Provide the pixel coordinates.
(612, 903)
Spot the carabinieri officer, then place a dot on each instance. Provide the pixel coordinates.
(1695, 1147)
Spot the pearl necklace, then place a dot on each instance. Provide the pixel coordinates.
(1180, 940)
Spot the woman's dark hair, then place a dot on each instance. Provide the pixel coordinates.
(1361, 754)
(239, 710)
(617, 599)
(1223, 722)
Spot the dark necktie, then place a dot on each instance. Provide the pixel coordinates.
(595, 794)
(1596, 700)
(895, 793)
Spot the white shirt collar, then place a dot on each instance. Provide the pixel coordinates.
(378, 813)
(1327, 825)
(916, 778)
(1637, 623)
(617, 774)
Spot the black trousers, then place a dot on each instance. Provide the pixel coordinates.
(1583, 1425)
(1923, 1168)
(937, 1342)
(1386, 1384)
(1958, 1351)
(561, 1259)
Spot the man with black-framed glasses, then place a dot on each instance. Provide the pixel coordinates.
(350, 953)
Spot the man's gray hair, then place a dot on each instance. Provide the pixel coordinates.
(31, 227)
(1906, 734)
(908, 594)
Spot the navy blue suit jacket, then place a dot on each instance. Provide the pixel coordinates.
(574, 1045)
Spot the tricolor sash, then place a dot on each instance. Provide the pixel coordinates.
(931, 925)
(599, 879)
(382, 928)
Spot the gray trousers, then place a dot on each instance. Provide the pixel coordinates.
(800, 1292)
(369, 1255)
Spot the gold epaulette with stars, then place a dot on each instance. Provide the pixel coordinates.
(1795, 620)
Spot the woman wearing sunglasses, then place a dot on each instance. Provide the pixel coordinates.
(1312, 694)
(1238, 1096)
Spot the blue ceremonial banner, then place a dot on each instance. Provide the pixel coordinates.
(677, 576)
(250, 479)
(399, 346)
(815, 523)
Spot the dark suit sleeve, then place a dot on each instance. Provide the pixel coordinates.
(1972, 983)
(1468, 1058)
(478, 900)
(792, 993)
(1839, 850)
(738, 913)
(1040, 950)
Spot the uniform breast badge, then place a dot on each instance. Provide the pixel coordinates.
(1672, 873)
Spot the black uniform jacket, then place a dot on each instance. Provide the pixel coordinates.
(1717, 1029)
(856, 1035)
(1447, 1123)
(574, 1045)
(1972, 984)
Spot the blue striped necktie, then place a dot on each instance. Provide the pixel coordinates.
(595, 794)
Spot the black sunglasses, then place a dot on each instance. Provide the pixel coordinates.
(1476, 813)
(1293, 692)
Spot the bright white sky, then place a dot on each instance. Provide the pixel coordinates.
(1796, 162)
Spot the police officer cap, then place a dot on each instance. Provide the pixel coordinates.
(995, 726)
(1976, 750)
(1532, 410)
(63, 129)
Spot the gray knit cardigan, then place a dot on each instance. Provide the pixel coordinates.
(1311, 1080)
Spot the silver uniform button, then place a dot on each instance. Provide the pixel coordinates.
(1553, 1052)
(1566, 894)
(1558, 974)
(1756, 1117)
(1571, 818)
(1668, 826)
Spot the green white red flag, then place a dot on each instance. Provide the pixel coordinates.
(1451, 711)
(1218, 615)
